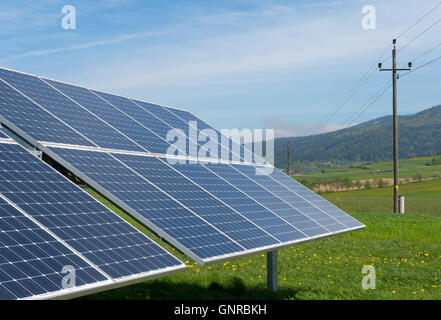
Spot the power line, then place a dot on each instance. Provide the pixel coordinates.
(418, 21)
(364, 78)
(368, 74)
(345, 99)
(419, 35)
(380, 92)
(366, 105)
(422, 66)
(426, 52)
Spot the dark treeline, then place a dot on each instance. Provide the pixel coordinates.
(419, 134)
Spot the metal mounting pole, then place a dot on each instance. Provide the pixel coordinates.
(271, 270)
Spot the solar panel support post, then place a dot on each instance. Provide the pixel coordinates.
(271, 270)
(395, 77)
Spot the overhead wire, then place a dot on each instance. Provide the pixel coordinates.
(368, 74)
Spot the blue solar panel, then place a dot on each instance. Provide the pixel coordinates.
(176, 123)
(155, 208)
(33, 120)
(67, 111)
(249, 207)
(31, 260)
(237, 227)
(155, 124)
(99, 235)
(292, 215)
(208, 211)
(263, 187)
(115, 118)
(156, 143)
(310, 196)
(235, 151)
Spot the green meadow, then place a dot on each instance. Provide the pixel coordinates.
(408, 168)
(404, 249)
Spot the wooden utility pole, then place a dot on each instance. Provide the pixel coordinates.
(395, 77)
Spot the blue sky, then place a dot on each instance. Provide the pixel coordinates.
(236, 64)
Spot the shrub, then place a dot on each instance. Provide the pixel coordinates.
(380, 183)
(418, 177)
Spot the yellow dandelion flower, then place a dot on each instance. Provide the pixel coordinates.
(394, 292)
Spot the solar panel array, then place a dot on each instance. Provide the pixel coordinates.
(118, 145)
(47, 223)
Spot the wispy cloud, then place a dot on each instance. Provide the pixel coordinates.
(88, 45)
(284, 128)
(222, 60)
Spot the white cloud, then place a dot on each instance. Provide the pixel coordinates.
(281, 40)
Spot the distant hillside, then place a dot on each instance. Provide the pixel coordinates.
(419, 134)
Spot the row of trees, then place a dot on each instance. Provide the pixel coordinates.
(339, 184)
(433, 162)
(346, 184)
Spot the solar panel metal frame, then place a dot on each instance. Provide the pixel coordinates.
(110, 283)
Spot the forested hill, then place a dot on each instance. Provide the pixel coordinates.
(419, 133)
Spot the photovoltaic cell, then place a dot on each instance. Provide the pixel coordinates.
(235, 151)
(199, 201)
(31, 260)
(315, 199)
(33, 120)
(68, 111)
(176, 123)
(294, 216)
(241, 202)
(115, 118)
(263, 187)
(126, 105)
(152, 205)
(97, 234)
(155, 143)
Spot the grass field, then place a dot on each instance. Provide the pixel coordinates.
(420, 198)
(405, 250)
(408, 169)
